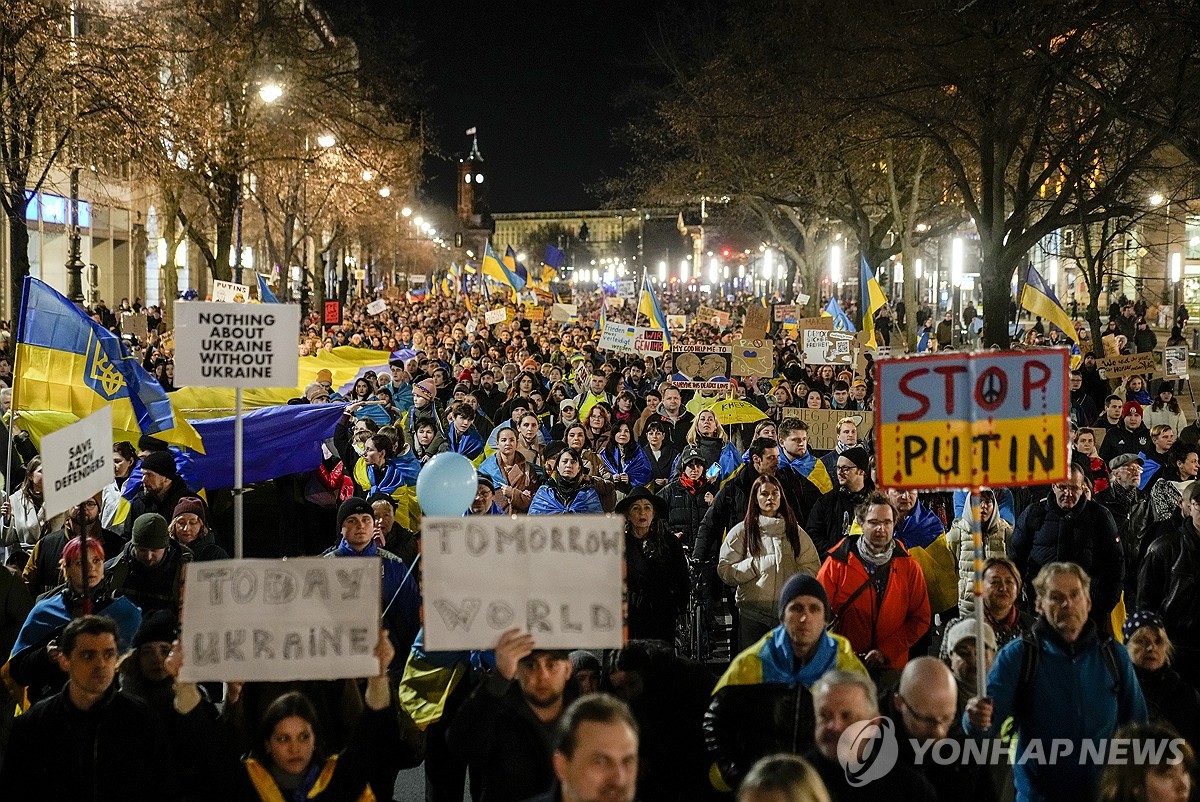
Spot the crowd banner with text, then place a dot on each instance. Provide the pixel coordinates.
(494, 316)
(786, 311)
(1175, 362)
(713, 317)
(626, 289)
(306, 618)
(756, 323)
(332, 313)
(701, 364)
(617, 337)
(134, 324)
(806, 323)
(229, 292)
(823, 424)
(828, 347)
(752, 358)
(563, 313)
(968, 420)
(1116, 367)
(77, 461)
(559, 578)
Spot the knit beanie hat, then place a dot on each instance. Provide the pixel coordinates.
(859, 456)
(162, 463)
(803, 585)
(352, 506)
(1130, 406)
(150, 531)
(193, 505)
(160, 626)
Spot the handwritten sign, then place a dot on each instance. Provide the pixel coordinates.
(77, 461)
(229, 292)
(134, 324)
(713, 317)
(805, 323)
(823, 424)
(563, 313)
(616, 337)
(493, 316)
(752, 358)
(333, 313)
(648, 341)
(756, 322)
(827, 347)
(377, 306)
(1115, 367)
(236, 345)
(558, 578)
(700, 363)
(278, 620)
(785, 311)
(963, 420)
(626, 289)
(1175, 362)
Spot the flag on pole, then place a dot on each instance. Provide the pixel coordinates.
(67, 362)
(264, 292)
(471, 131)
(603, 319)
(841, 321)
(494, 268)
(518, 269)
(648, 306)
(1039, 298)
(555, 257)
(873, 300)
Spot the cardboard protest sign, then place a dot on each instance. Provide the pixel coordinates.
(756, 322)
(1111, 347)
(562, 313)
(626, 289)
(785, 311)
(333, 313)
(827, 347)
(229, 292)
(752, 358)
(1127, 365)
(805, 323)
(964, 420)
(700, 364)
(534, 312)
(278, 620)
(558, 578)
(617, 337)
(77, 461)
(1175, 362)
(134, 324)
(236, 345)
(648, 341)
(493, 316)
(802, 299)
(823, 424)
(713, 317)
(377, 306)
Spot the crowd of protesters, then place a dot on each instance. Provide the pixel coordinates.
(826, 601)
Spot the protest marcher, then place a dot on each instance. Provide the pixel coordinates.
(161, 489)
(44, 569)
(1167, 776)
(566, 490)
(1167, 586)
(596, 753)
(23, 516)
(1169, 698)
(189, 527)
(149, 570)
(1001, 612)
(960, 540)
(514, 478)
(783, 777)
(656, 574)
(831, 515)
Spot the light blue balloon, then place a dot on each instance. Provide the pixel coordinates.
(446, 485)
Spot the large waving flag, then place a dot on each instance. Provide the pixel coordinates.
(517, 269)
(873, 300)
(602, 321)
(67, 362)
(841, 321)
(648, 306)
(264, 292)
(498, 271)
(552, 264)
(1039, 298)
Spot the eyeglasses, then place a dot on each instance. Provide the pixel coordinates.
(1069, 489)
(845, 468)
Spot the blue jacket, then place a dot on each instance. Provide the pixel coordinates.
(470, 445)
(1074, 697)
(920, 528)
(545, 502)
(51, 613)
(401, 603)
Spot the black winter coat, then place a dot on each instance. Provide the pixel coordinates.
(1085, 535)
(685, 510)
(1167, 584)
(656, 575)
(1119, 440)
(145, 502)
(826, 523)
(1169, 698)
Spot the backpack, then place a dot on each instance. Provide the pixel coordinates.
(1031, 650)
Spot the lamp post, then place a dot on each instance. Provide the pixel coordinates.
(956, 272)
(74, 244)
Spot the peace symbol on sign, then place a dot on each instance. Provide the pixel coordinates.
(991, 388)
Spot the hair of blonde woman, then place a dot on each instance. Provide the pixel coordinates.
(789, 776)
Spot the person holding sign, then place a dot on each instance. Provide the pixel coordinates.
(34, 662)
(286, 762)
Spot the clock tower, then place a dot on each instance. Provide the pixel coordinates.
(472, 187)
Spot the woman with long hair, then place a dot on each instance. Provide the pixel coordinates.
(625, 459)
(598, 425)
(760, 554)
(625, 408)
(1135, 390)
(515, 480)
(1165, 409)
(383, 467)
(709, 436)
(567, 490)
(656, 572)
(1163, 775)
(815, 399)
(124, 461)
(24, 515)
(529, 432)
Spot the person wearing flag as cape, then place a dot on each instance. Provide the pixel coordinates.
(461, 436)
(381, 468)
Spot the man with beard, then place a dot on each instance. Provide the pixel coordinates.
(506, 729)
(829, 518)
(1076, 686)
(162, 488)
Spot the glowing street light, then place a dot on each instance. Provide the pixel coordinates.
(1157, 199)
(406, 211)
(835, 264)
(385, 192)
(1176, 267)
(662, 271)
(270, 92)
(327, 140)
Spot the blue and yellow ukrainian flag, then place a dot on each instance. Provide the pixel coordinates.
(498, 271)
(264, 292)
(517, 269)
(648, 306)
(841, 321)
(1039, 298)
(873, 300)
(67, 362)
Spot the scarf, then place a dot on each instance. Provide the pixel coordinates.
(693, 486)
(564, 489)
(1125, 495)
(875, 560)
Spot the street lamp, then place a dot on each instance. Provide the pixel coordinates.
(956, 271)
(835, 264)
(327, 140)
(270, 92)
(407, 212)
(74, 243)
(662, 271)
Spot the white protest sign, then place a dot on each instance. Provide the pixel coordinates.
(557, 577)
(617, 337)
(77, 461)
(493, 316)
(236, 345)
(626, 289)
(677, 322)
(648, 341)
(824, 347)
(229, 292)
(802, 299)
(277, 620)
(1175, 362)
(562, 313)
(376, 306)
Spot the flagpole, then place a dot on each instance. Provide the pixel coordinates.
(238, 519)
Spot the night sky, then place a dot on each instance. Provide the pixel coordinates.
(543, 82)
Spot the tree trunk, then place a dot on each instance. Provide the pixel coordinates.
(18, 233)
(908, 294)
(996, 276)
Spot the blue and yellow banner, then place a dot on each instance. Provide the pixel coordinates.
(1039, 298)
(67, 362)
(873, 301)
(648, 306)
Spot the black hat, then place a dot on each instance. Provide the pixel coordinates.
(802, 585)
(482, 478)
(160, 626)
(353, 506)
(150, 443)
(692, 454)
(162, 463)
(377, 497)
(1166, 386)
(859, 456)
(150, 531)
(660, 505)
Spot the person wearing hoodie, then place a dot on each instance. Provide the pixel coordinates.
(762, 705)
(759, 555)
(1130, 436)
(961, 542)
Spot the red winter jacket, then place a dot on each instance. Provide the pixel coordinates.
(892, 625)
